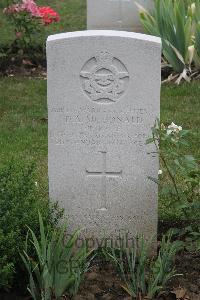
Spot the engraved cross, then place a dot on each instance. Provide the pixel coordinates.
(103, 174)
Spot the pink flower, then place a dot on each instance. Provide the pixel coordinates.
(31, 7)
(46, 13)
(28, 6)
(18, 34)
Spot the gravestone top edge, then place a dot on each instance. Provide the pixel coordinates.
(104, 33)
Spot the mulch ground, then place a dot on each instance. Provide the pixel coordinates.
(23, 68)
(102, 282)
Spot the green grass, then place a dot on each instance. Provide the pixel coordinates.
(23, 121)
(181, 105)
(23, 125)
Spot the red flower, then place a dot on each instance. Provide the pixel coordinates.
(48, 15)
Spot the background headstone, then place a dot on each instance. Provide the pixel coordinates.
(115, 14)
(103, 98)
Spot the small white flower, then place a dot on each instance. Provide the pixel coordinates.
(160, 172)
(169, 131)
(36, 184)
(173, 125)
(173, 128)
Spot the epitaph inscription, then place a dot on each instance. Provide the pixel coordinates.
(104, 78)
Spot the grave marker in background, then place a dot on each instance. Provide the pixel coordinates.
(103, 98)
(115, 14)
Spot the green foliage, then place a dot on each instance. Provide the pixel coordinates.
(27, 28)
(59, 265)
(190, 235)
(180, 180)
(197, 44)
(193, 240)
(6, 268)
(73, 17)
(145, 277)
(28, 21)
(19, 203)
(5, 3)
(176, 22)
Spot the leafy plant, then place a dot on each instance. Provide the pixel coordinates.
(59, 265)
(6, 269)
(180, 180)
(176, 22)
(145, 277)
(190, 235)
(19, 202)
(28, 19)
(197, 45)
(195, 239)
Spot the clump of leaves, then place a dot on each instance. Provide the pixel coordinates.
(20, 200)
(145, 278)
(177, 23)
(180, 180)
(190, 235)
(58, 265)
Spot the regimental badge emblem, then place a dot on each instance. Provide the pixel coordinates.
(104, 78)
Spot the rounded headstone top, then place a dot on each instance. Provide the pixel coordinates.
(104, 33)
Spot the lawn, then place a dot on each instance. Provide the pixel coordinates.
(23, 123)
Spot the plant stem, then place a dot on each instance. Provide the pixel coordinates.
(168, 169)
(171, 176)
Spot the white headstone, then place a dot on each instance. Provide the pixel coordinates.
(116, 14)
(103, 98)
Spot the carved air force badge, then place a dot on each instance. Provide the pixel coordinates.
(104, 78)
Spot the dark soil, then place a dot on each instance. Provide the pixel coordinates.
(103, 283)
(12, 296)
(23, 68)
(188, 264)
(31, 64)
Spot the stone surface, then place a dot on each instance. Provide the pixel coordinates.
(115, 14)
(103, 98)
